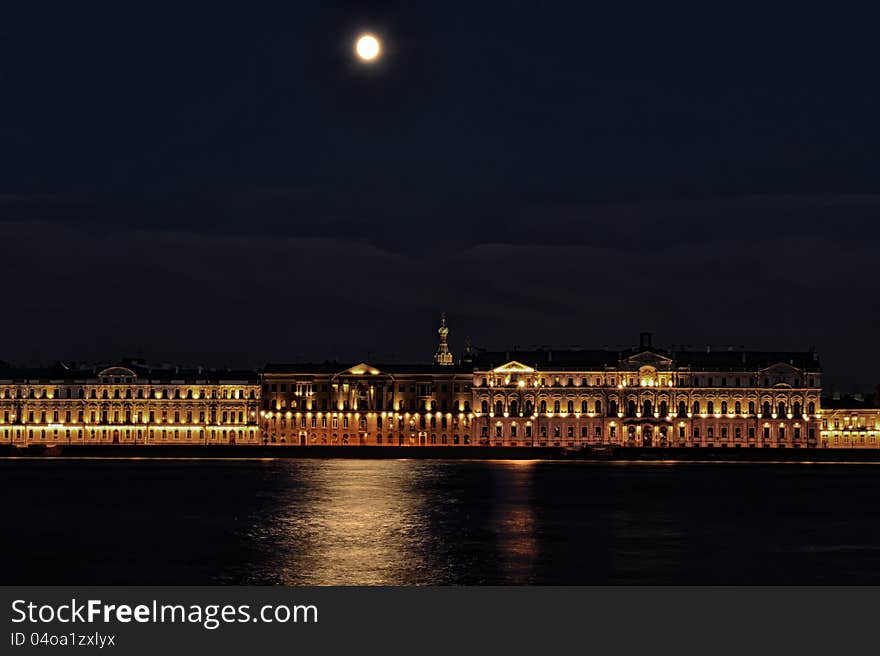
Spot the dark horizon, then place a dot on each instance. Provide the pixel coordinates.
(226, 185)
(831, 384)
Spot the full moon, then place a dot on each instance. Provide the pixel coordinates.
(368, 47)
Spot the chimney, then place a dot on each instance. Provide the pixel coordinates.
(645, 340)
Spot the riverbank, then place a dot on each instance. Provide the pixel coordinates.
(190, 451)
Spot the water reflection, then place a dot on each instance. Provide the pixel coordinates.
(433, 522)
(346, 522)
(513, 519)
(396, 523)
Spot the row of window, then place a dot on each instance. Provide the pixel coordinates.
(513, 431)
(412, 405)
(391, 439)
(313, 422)
(633, 381)
(424, 389)
(77, 434)
(647, 408)
(56, 417)
(70, 393)
(853, 422)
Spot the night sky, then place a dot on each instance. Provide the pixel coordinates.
(222, 183)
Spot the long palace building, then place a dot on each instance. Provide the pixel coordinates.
(128, 403)
(643, 396)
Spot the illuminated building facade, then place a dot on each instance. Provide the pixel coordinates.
(128, 403)
(647, 397)
(850, 425)
(642, 396)
(367, 404)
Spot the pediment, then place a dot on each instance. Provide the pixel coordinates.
(780, 368)
(648, 357)
(362, 369)
(513, 367)
(117, 371)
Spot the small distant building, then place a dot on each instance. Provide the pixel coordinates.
(850, 423)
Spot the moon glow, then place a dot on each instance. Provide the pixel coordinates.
(368, 47)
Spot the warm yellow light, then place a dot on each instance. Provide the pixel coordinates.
(368, 47)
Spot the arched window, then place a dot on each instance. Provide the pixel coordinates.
(696, 408)
(570, 407)
(499, 408)
(796, 409)
(612, 408)
(724, 407)
(780, 409)
(710, 407)
(484, 407)
(598, 407)
(543, 407)
(811, 408)
(751, 407)
(682, 408)
(584, 407)
(765, 409)
(646, 408)
(529, 408)
(631, 409)
(514, 408)
(737, 408)
(556, 406)
(664, 408)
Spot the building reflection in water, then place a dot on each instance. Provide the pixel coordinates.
(513, 520)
